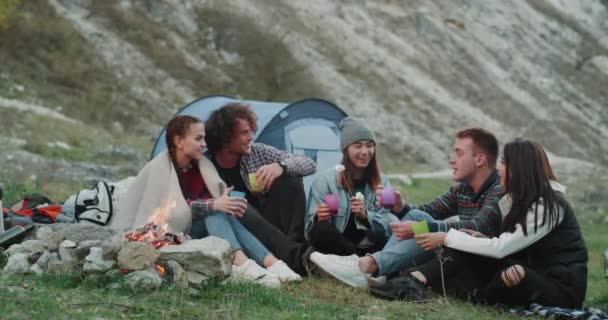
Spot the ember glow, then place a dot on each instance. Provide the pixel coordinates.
(155, 235)
(160, 270)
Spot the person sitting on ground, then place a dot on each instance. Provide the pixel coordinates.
(358, 226)
(472, 204)
(275, 193)
(540, 256)
(180, 185)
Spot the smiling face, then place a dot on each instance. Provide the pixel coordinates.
(360, 153)
(465, 161)
(192, 143)
(240, 144)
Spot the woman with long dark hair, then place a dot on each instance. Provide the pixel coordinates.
(180, 188)
(355, 225)
(540, 256)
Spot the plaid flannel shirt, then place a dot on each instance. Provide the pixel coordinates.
(201, 207)
(263, 154)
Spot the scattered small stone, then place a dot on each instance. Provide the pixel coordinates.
(147, 279)
(28, 246)
(57, 266)
(95, 263)
(17, 264)
(176, 274)
(40, 266)
(53, 240)
(67, 251)
(33, 257)
(196, 279)
(112, 246)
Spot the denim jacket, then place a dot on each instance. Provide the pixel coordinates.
(327, 183)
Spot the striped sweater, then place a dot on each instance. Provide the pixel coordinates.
(461, 208)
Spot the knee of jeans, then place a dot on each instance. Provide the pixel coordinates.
(512, 275)
(216, 216)
(416, 215)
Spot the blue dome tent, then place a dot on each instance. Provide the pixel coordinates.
(308, 127)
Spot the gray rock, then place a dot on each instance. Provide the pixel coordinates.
(137, 256)
(17, 264)
(177, 273)
(81, 232)
(196, 279)
(67, 251)
(57, 266)
(40, 266)
(88, 244)
(42, 233)
(210, 256)
(28, 246)
(96, 263)
(147, 279)
(112, 246)
(53, 240)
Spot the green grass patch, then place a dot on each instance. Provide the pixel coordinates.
(57, 191)
(422, 190)
(69, 297)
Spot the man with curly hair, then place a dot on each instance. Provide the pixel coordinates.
(270, 178)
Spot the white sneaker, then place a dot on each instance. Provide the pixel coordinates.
(343, 268)
(285, 274)
(251, 271)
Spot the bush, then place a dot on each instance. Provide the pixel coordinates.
(6, 9)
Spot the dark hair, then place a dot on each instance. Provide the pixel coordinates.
(484, 140)
(371, 174)
(546, 165)
(220, 127)
(528, 183)
(178, 127)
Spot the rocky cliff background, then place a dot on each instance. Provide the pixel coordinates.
(85, 85)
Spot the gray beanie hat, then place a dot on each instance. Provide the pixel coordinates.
(354, 129)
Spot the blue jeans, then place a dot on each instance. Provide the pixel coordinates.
(227, 227)
(399, 254)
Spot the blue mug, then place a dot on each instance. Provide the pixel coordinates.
(236, 194)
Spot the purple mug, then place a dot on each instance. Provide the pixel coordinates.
(388, 197)
(333, 202)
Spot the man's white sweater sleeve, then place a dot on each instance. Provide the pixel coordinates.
(505, 244)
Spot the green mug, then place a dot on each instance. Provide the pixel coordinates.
(420, 227)
(253, 183)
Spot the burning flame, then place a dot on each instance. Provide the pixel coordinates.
(160, 215)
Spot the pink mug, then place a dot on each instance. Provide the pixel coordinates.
(333, 202)
(388, 197)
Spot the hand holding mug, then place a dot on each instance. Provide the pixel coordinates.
(234, 206)
(323, 212)
(402, 229)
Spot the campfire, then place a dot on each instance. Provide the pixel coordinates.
(155, 235)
